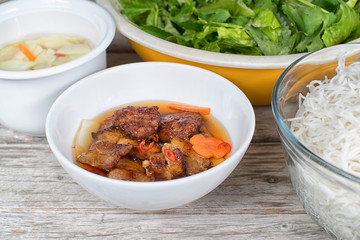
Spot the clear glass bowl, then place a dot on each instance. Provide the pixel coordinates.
(330, 195)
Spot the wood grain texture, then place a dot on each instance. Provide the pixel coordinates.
(39, 200)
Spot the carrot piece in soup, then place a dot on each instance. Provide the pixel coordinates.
(178, 106)
(26, 52)
(209, 146)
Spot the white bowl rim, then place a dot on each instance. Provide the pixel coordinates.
(132, 32)
(103, 44)
(235, 156)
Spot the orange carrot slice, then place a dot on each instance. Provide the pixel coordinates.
(179, 106)
(26, 52)
(203, 149)
(209, 147)
(198, 138)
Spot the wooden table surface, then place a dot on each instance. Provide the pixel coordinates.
(39, 200)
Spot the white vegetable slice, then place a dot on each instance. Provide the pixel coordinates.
(8, 52)
(74, 49)
(49, 51)
(83, 137)
(16, 65)
(54, 43)
(36, 50)
(45, 59)
(65, 59)
(19, 55)
(73, 38)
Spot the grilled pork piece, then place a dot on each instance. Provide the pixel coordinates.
(110, 134)
(107, 123)
(130, 164)
(115, 135)
(204, 131)
(130, 170)
(135, 152)
(129, 175)
(194, 162)
(138, 122)
(162, 169)
(179, 124)
(104, 154)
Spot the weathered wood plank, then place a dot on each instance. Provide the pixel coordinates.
(119, 225)
(115, 59)
(120, 44)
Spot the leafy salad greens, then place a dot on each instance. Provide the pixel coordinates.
(251, 27)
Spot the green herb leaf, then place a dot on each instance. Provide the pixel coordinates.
(256, 27)
(347, 22)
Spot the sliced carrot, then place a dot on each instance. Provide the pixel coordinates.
(26, 52)
(179, 106)
(198, 138)
(203, 149)
(209, 147)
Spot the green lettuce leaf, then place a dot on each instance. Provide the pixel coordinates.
(347, 22)
(268, 24)
(256, 27)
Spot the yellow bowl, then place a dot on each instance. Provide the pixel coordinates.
(254, 75)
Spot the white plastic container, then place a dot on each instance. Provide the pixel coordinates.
(26, 96)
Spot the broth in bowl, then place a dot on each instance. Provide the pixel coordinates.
(151, 142)
(42, 51)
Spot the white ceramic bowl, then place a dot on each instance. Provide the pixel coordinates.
(150, 81)
(26, 96)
